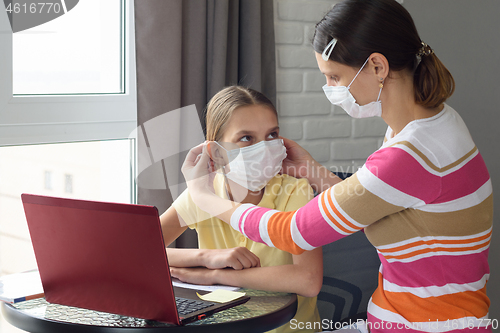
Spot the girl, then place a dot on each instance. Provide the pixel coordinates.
(244, 122)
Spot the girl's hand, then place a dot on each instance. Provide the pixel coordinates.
(236, 258)
(198, 275)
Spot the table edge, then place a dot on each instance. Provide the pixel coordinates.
(31, 324)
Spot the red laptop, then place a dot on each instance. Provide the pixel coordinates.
(108, 257)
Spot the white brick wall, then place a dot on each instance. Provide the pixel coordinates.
(306, 116)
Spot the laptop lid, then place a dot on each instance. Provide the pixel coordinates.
(104, 256)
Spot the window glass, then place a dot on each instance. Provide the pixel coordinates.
(101, 170)
(80, 52)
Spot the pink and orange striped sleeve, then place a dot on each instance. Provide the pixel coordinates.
(337, 212)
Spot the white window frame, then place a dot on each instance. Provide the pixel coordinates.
(66, 118)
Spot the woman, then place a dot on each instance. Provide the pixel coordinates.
(424, 199)
(244, 123)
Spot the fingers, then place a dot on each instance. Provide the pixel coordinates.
(236, 258)
(173, 273)
(244, 258)
(253, 260)
(203, 159)
(246, 262)
(288, 142)
(192, 275)
(236, 264)
(196, 163)
(192, 156)
(177, 274)
(197, 159)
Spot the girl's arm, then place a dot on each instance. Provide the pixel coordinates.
(173, 226)
(235, 258)
(304, 277)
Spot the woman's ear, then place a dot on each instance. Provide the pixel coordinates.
(380, 65)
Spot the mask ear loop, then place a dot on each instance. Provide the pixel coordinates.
(358, 72)
(226, 183)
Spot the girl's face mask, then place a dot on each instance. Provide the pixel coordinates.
(254, 166)
(341, 96)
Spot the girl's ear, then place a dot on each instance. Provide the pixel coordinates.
(217, 154)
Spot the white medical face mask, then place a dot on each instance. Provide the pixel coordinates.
(341, 96)
(254, 166)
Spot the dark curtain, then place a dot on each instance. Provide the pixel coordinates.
(186, 51)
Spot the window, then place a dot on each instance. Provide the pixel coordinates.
(80, 52)
(67, 108)
(77, 104)
(98, 170)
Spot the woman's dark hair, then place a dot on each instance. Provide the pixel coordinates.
(363, 27)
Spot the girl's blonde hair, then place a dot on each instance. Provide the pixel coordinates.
(225, 102)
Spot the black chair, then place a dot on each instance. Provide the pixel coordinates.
(350, 276)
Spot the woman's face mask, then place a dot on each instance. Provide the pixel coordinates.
(254, 166)
(341, 96)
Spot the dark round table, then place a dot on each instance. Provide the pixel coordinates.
(263, 312)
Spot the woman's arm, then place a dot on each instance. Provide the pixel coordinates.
(343, 209)
(303, 277)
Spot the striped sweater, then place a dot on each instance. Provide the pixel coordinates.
(424, 200)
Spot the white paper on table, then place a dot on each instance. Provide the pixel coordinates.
(20, 287)
(177, 283)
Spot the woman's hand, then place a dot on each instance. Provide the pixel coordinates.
(196, 170)
(199, 174)
(298, 161)
(300, 164)
(236, 258)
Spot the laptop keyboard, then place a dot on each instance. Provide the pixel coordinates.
(186, 306)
